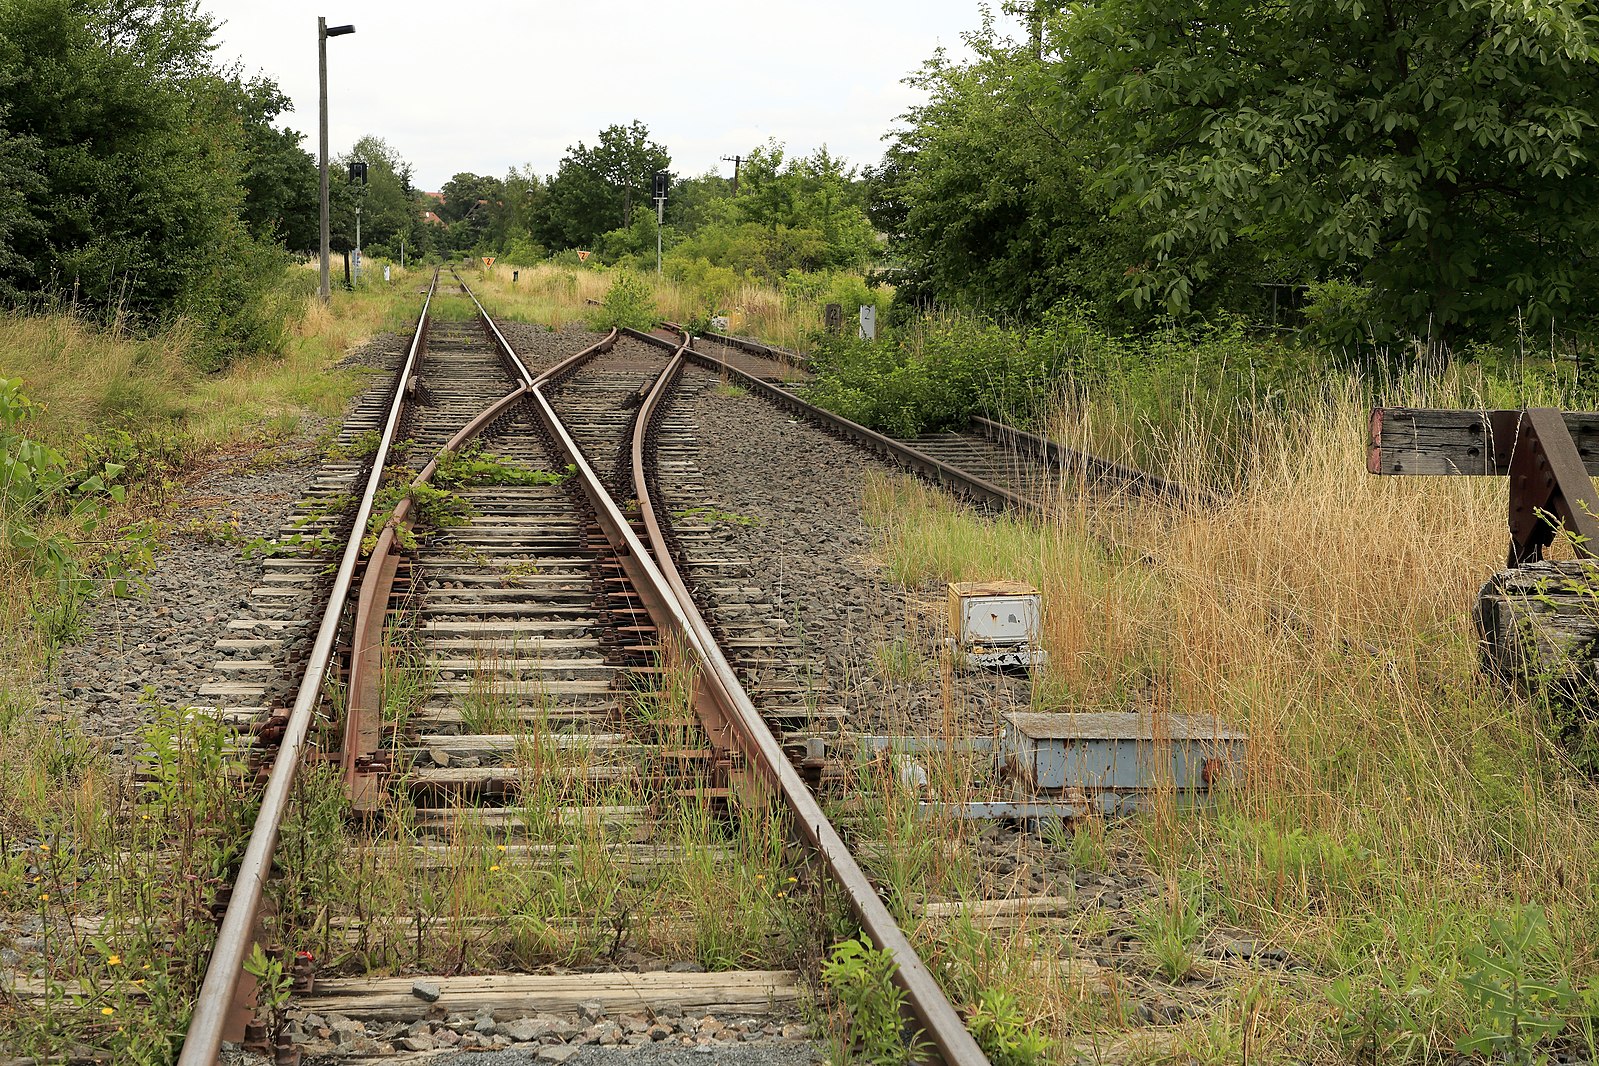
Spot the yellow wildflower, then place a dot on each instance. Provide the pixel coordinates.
(114, 960)
(108, 1011)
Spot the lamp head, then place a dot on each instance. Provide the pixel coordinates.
(338, 31)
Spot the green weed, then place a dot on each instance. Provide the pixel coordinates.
(859, 977)
(474, 466)
(1521, 1003)
(998, 1025)
(1168, 927)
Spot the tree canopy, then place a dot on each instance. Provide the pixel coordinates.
(596, 187)
(1443, 152)
(389, 210)
(1151, 156)
(138, 179)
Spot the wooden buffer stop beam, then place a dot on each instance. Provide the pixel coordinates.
(1549, 456)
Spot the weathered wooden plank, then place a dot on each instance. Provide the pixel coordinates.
(1418, 441)
(1539, 625)
(519, 995)
(1033, 906)
(1541, 621)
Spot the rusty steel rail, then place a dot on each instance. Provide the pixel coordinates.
(950, 477)
(215, 1006)
(363, 720)
(927, 1002)
(666, 597)
(1063, 457)
(1086, 465)
(363, 715)
(744, 344)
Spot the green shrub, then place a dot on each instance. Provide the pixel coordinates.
(628, 303)
(1340, 315)
(1003, 1033)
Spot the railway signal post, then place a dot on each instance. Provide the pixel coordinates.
(662, 179)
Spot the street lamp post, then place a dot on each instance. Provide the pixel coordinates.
(323, 32)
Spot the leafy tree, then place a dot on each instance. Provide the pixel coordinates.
(474, 211)
(816, 199)
(988, 195)
(281, 200)
(697, 202)
(596, 187)
(20, 184)
(465, 194)
(526, 200)
(803, 213)
(1443, 152)
(389, 208)
(135, 152)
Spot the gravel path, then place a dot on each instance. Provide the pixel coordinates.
(812, 552)
(157, 648)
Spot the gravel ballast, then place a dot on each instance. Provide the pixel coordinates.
(803, 540)
(157, 648)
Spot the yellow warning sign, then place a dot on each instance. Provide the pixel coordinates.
(582, 256)
(488, 260)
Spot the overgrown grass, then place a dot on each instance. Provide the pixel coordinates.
(105, 878)
(557, 295)
(1396, 811)
(1158, 400)
(598, 854)
(142, 404)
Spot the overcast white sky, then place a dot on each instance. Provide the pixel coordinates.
(484, 85)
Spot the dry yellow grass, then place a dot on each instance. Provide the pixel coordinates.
(556, 295)
(1394, 800)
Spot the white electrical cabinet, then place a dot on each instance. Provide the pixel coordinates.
(997, 623)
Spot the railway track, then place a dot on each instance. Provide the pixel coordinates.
(524, 650)
(986, 461)
(530, 681)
